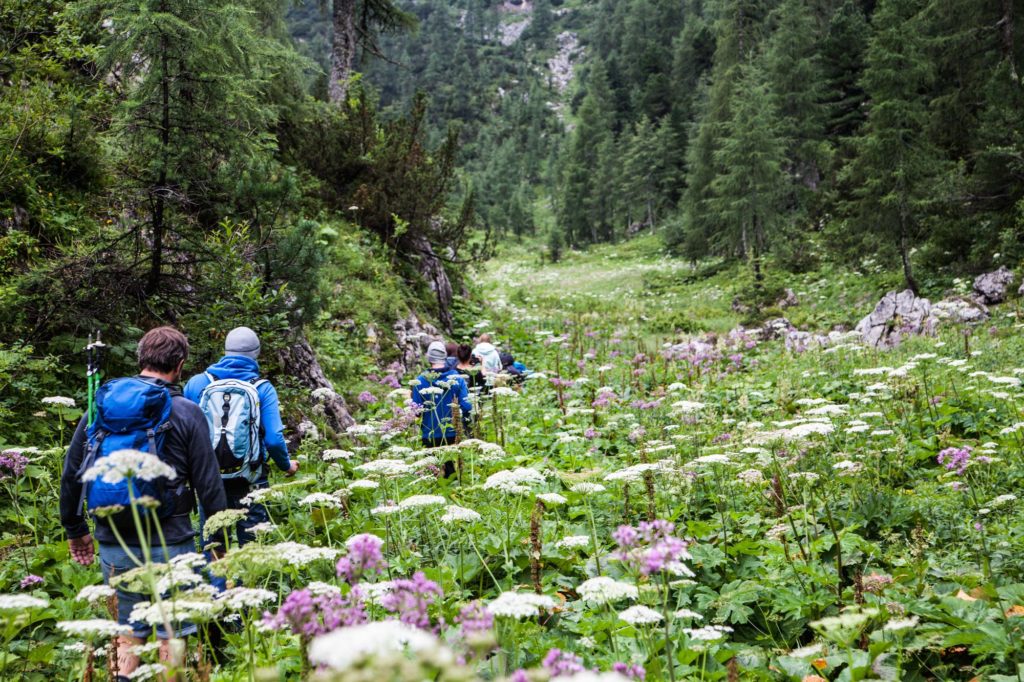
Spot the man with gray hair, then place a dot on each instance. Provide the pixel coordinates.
(434, 392)
(227, 391)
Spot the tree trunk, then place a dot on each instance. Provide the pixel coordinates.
(432, 270)
(1008, 43)
(160, 189)
(343, 48)
(908, 274)
(299, 360)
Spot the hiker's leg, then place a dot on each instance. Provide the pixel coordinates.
(114, 561)
(257, 515)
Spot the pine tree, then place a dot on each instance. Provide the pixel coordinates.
(895, 165)
(193, 76)
(797, 87)
(749, 188)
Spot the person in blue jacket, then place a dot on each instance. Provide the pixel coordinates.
(241, 350)
(434, 392)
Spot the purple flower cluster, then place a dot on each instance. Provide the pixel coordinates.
(604, 397)
(30, 581)
(401, 419)
(645, 404)
(633, 672)
(410, 599)
(955, 459)
(366, 398)
(475, 620)
(559, 382)
(308, 615)
(650, 548)
(560, 663)
(364, 558)
(721, 438)
(12, 464)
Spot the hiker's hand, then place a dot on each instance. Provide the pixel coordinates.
(82, 550)
(293, 468)
(216, 553)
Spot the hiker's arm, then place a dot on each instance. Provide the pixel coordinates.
(71, 515)
(273, 428)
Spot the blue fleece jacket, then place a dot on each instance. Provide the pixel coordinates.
(437, 405)
(246, 369)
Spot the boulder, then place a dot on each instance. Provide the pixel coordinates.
(788, 300)
(898, 314)
(412, 336)
(960, 310)
(777, 328)
(990, 288)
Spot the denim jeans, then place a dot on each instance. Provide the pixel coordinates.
(115, 561)
(257, 514)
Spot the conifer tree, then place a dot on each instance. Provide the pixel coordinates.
(895, 165)
(749, 187)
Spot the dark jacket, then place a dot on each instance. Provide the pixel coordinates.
(186, 449)
(246, 369)
(437, 407)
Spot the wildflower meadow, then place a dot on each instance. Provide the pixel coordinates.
(647, 507)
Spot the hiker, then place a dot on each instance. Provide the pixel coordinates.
(468, 367)
(434, 392)
(514, 369)
(248, 430)
(490, 360)
(146, 412)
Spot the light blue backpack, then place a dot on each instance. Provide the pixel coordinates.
(232, 409)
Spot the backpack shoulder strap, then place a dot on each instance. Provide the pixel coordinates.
(93, 448)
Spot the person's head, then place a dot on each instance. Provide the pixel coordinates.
(464, 353)
(484, 338)
(163, 351)
(436, 354)
(451, 348)
(242, 341)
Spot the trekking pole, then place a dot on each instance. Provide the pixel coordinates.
(88, 379)
(94, 372)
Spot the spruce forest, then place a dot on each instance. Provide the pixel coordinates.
(511, 340)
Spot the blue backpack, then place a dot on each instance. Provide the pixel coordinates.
(131, 414)
(232, 409)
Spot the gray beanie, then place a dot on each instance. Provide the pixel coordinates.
(242, 341)
(436, 353)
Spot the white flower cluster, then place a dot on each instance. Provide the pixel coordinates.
(514, 480)
(456, 514)
(634, 473)
(640, 615)
(95, 593)
(519, 605)
(21, 602)
(321, 500)
(347, 646)
(418, 501)
(318, 588)
(261, 495)
(242, 598)
(298, 555)
(334, 454)
(61, 400)
(603, 590)
(385, 467)
(708, 633)
(587, 488)
(93, 628)
(226, 518)
(553, 499)
(122, 464)
(150, 671)
(173, 610)
(573, 542)
(363, 484)
(751, 476)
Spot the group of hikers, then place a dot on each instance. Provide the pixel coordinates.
(217, 435)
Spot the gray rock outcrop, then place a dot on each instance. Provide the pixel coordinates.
(990, 288)
(898, 314)
(960, 310)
